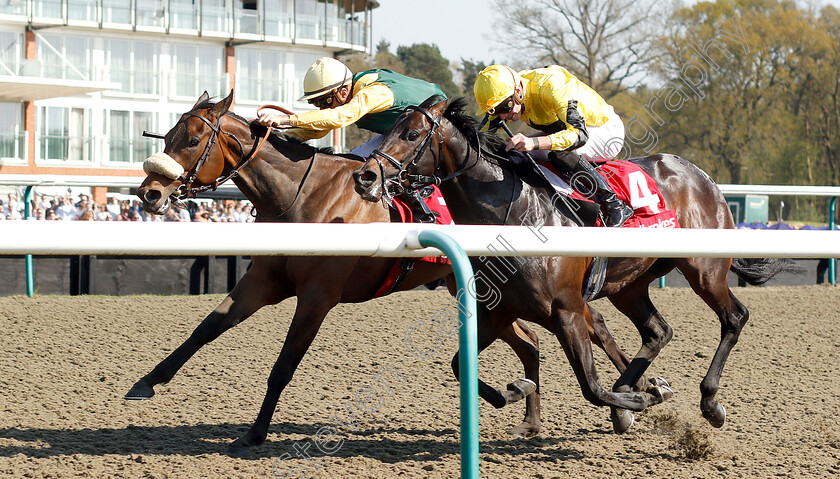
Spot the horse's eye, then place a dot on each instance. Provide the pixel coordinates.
(412, 135)
(194, 142)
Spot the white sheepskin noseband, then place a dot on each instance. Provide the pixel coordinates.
(163, 164)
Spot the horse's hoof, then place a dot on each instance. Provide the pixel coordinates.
(236, 451)
(519, 389)
(659, 381)
(716, 416)
(662, 393)
(140, 391)
(525, 430)
(622, 420)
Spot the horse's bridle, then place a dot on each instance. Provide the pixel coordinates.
(408, 181)
(188, 177)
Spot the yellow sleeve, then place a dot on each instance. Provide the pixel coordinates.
(554, 99)
(370, 99)
(305, 135)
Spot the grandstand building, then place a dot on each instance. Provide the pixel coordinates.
(81, 79)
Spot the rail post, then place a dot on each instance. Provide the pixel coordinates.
(468, 344)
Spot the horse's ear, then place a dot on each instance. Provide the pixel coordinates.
(440, 106)
(204, 97)
(223, 106)
(432, 100)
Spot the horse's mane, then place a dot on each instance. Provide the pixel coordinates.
(210, 102)
(468, 126)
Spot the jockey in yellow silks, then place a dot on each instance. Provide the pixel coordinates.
(577, 125)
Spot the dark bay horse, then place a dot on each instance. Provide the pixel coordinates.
(438, 143)
(287, 181)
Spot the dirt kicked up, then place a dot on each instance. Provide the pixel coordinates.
(361, 405)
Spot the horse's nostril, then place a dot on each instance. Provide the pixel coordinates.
(365, 177)
(152, 196)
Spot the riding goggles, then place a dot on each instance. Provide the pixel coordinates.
(504, 107)
(323, 102)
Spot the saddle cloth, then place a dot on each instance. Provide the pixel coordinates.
(632, 185)
(437, 204)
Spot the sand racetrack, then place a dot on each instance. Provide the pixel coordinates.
(66, 362)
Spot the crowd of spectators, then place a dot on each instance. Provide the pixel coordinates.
(84, 208)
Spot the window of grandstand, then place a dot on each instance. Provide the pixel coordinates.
(150, 13)
(13, 7)
(278, 18)
(47, 9)
(307, 20)
(12, 134)
(116, 11)
(64, 56)
(198, 68)
(214, 16)
(246, 17)
(126, 143)
(11, 53)
(64, 134)
(259, 76)
(82, 10)
(134, 64)
(183, 14)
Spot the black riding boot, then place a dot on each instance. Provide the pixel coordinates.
(421, 210)
(573, 165)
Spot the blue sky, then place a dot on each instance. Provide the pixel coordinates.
(460, 28)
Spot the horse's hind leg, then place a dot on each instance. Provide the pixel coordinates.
(707, 277)
(251, 293)
(526, 345)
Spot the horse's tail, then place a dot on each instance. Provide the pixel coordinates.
(757, 271)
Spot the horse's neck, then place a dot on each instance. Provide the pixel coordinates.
(489, 193)
(316, 188)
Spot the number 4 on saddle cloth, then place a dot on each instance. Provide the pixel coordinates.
(633, 186)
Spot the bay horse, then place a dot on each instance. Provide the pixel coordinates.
(286, 181)
(438, 143)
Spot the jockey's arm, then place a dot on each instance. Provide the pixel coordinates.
(370, 99)
(569, 112)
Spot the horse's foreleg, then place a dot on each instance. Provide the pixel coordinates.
(601, 337)
(309, 315)
(634, 302)
(571, 330)
(251, 293)
(526, 345)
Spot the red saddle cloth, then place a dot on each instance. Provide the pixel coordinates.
(636, 188)
(437, 204)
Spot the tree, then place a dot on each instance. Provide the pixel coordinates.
(469, 70)
(424, 61)
(386, 60)
(725, 104)
(605, 43)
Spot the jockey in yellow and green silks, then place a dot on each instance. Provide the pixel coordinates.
(372, 100)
